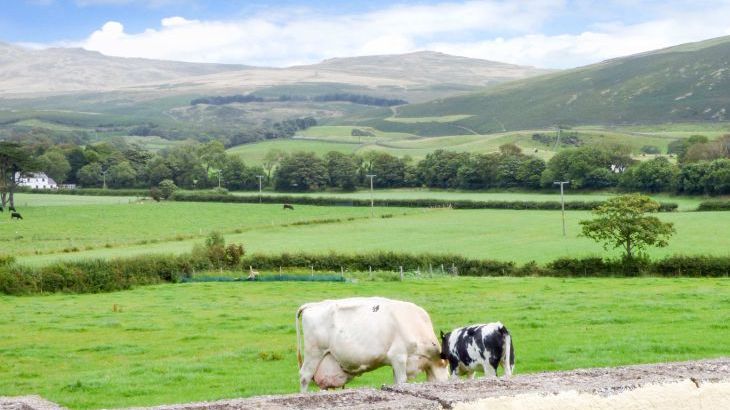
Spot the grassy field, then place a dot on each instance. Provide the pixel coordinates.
(443, 118)
(207, 341)
(34, 200)
(110, 226)
(322, 139)
(50, 233)
(253, 154)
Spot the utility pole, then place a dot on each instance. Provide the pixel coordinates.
(562, 201)
(260, 177)
(372, 198)
(103, 178)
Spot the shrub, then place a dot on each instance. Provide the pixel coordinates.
(155, 194)
(92, 276)
(167, 188)
(714, 206)
(6, 260)
(234, 253)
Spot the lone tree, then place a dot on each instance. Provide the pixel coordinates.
(622, 223)
(14, 161)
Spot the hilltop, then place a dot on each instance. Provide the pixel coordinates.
(64, 70)
(79, 91)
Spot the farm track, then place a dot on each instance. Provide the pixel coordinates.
(699, 384)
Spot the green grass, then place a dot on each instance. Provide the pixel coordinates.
(338, 138)
(441, 118)
(47, 229)
(153, 143)
(208, 341)
(671, 86)
(253, 154)
(344, 133)
(38, 200)
(64, 233)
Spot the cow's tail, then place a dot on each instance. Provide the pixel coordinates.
(508, 360)
(299, 339)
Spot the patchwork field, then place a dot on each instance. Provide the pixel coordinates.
(206, 341)
(50, 233)
(322, 139)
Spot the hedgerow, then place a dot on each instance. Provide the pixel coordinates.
(714, 206)
(406, 203)
(92, 276)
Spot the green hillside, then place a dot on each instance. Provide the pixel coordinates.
(321, 139)
(687, 83)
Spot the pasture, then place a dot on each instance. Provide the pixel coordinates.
(50, 233)
(321, 139)
(113, 223)
(206, 341)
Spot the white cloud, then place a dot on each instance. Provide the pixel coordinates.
(284, 37)
(605, 42)
(509, 31)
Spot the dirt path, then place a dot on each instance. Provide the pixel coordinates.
(696, 384)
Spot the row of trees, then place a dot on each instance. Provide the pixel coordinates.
(588, 167)
(117, 164)
(121, 165)
(344, 97)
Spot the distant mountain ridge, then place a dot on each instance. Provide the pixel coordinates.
(66, 70)
(55, 70)
(685, 83)
(430, 67)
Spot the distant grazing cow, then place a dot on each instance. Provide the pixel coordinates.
(1, 209)
(485, 345)
(12, 208)
(347, 337)
(15, 215)
(288, 206)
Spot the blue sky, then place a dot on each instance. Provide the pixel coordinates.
(545, 33)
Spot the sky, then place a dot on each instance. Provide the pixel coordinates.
(540, 33)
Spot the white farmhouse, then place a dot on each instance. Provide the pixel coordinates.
(36, 181)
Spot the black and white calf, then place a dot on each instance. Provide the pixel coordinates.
(486, 345)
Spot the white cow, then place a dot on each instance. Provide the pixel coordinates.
(347, 337)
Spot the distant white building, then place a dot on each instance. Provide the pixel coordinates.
(37, 180)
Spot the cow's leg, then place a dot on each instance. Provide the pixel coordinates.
(472, 373)
(306, 373)
(399, 362)
(489, 371)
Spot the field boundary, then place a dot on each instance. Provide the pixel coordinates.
(401, 203)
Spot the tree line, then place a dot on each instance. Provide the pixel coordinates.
(586, 167)
(702, 167)
(361, 99)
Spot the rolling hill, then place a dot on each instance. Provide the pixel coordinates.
(63, 70)
(687, 83)
(74, 88)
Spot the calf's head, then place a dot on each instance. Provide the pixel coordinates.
(429, 361)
